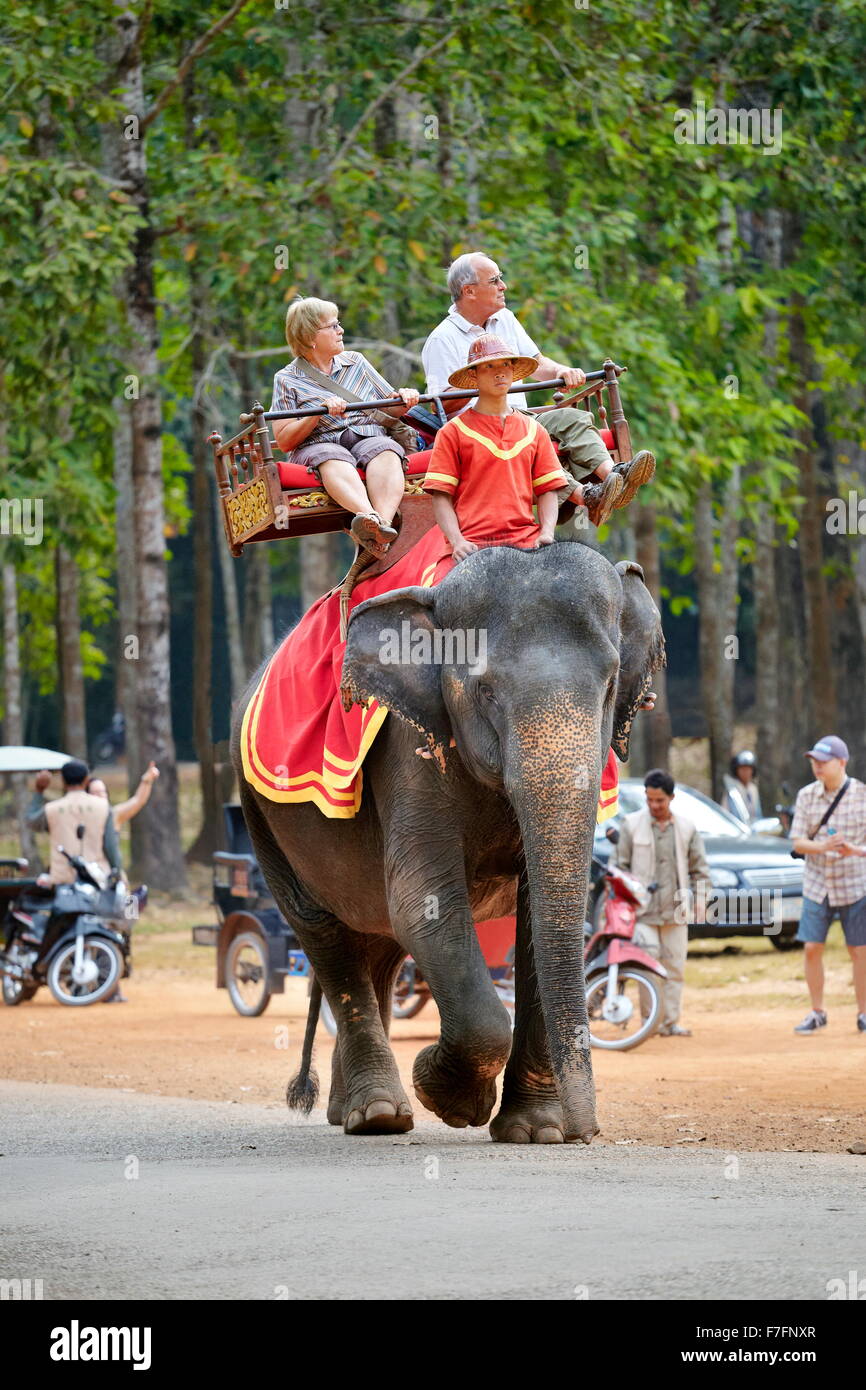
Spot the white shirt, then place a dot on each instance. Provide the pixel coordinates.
(447, 348)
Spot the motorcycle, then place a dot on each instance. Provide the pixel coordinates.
(110, 744)
(623, 998)
(69, 937)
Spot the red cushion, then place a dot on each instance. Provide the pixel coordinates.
(418, 463)
(295, 475)
(607, 436)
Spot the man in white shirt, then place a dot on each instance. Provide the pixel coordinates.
(477, 290)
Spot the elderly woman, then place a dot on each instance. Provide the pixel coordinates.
(323, 443)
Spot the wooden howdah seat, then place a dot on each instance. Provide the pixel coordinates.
(264, 497)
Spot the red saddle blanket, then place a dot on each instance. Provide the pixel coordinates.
(298, 743)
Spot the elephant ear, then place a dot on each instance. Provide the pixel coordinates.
(641, 652)
(389, 651)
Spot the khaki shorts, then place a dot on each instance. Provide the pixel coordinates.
(357, 449)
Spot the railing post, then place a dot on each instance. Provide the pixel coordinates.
(618, 422)
(263, 435)
(222, 475)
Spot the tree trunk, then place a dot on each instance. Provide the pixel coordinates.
(73, 722)
(126, 697)
(12, 721)
(819, 654)
(258, 628)
(766, 242)
(767, 649)
(653, 745)
(228, 576)
(209, 837)
(156, 840)
(318, 567)
(716, 573)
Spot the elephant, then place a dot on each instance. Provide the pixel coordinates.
(502, 820)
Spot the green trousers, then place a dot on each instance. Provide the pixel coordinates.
(581, 446)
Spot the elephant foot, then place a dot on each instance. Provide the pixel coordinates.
(523, 1122)
(375, 1111)
(457, 1102)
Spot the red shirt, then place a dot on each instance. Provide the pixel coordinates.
(494, 468)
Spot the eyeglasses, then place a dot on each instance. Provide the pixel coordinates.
(327, 327)
(496, 280)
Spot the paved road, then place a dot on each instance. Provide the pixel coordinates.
(243, 1201)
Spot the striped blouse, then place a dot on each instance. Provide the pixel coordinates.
(294, 391)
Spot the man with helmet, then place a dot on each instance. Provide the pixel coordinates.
(741, 796)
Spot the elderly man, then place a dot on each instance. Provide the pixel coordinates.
(829, 831)
(477, 290)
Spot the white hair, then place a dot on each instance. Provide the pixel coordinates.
(461, 273)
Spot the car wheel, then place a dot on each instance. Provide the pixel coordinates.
(786, 943)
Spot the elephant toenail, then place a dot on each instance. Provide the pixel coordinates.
(378, 1108)
(517, 1135)
(549, 1135)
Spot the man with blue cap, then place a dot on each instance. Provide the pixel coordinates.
(829, 831)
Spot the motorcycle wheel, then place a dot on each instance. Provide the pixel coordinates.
(635, 986)
(326, 1016)
(104, 752)
(247, 974)
(108, 961)
(408, 999)
(16, 992)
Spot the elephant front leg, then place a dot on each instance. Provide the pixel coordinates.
(530, 1112)
(455, 1077)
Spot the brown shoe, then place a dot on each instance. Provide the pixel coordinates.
(634, 474)
(601, 499)
(369, 530)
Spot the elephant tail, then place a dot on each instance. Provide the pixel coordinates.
(302, 1091)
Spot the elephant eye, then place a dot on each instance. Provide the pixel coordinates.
(486, 693)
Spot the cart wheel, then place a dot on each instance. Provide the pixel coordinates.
(247, 974)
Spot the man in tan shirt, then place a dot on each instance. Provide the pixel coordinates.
(62, 817)
(664, 850)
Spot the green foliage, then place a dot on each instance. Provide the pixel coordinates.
(535, 132)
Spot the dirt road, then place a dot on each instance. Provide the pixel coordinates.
(146, 1152)
(744, 1081)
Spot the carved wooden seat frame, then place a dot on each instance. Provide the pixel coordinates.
(256, 507)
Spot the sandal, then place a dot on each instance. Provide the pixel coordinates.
(369, 530)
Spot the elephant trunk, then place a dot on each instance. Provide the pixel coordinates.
(554, 793)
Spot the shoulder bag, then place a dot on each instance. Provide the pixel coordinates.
(795, 854)
(396, 429)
